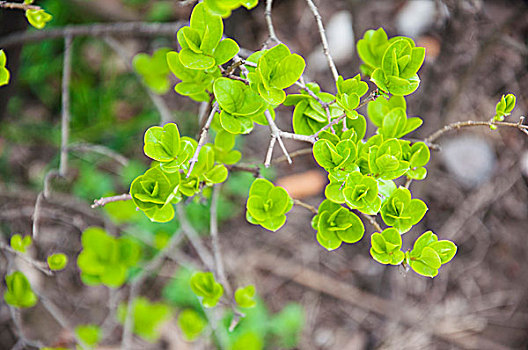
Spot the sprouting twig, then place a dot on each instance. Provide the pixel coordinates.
(135, 29)
(158, 102)
(519, 125)
(305, 205)
(369, 98)
(324, 40)
(203, 137)
(18, 6)
(101, 202)
(271, 29)
(372, 221)
(65, 119)
(39, 265)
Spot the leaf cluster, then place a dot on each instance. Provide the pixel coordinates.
(267, 205)
(147, 316)
(19, 293)
(105, 259)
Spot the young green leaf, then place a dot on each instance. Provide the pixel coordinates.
(38, 18)
(89, 335)
(386, 247)
(205, 287)
(18, 292)
(267, 205)
(244, 296)
(153, 70)
(20, 244)
(57, 261)
(148, 317)
(402, 212)
(4, 73)
(191, 324)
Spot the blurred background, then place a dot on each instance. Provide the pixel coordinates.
(476, 188)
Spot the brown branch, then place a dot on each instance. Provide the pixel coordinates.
(372, 221)
(324, 40)
(39, 265)
(101, 202)
(269, 22)
(130, 29)
(305, 205)
(470, 123)
(18, 6)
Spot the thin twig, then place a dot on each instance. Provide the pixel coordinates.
(17, 320)
(65, 119)
(305, 205)
(39, 265)
(372, 221)
(101, 202)
(193, 237)
(324, 40)
(219, 261)
(519, 125)
(159, 103)
(134, 29)
(44, 194)
(88, 147)
(269, 22)
(137, 281)
(203, 138)
(275, 136)
(18, 6)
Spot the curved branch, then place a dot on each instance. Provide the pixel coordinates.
(453, 126)
(131, 29)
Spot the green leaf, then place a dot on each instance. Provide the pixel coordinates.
(288, 71)
(38, 18)
(446, 250)
(237, 98)
(244, 297)
(203, 284)
(18, 292)
(193, 60)
(191, 324)
(4, 73)
(267, 205)
(153, 70)
(57, 261)
(162, 143)
(89, 335)
(236, 124)
(20, 244)
(226, 50)
(148, 317)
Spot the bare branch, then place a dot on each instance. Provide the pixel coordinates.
(131, 29)
(203, 138)
(193, 237)
(65, 120)
(18, 6)
(137, 281)
(305, 205)
(101, 202)
(372, 221)
(470, 123)
(324, 41)
(271, 29)
(39, 265)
